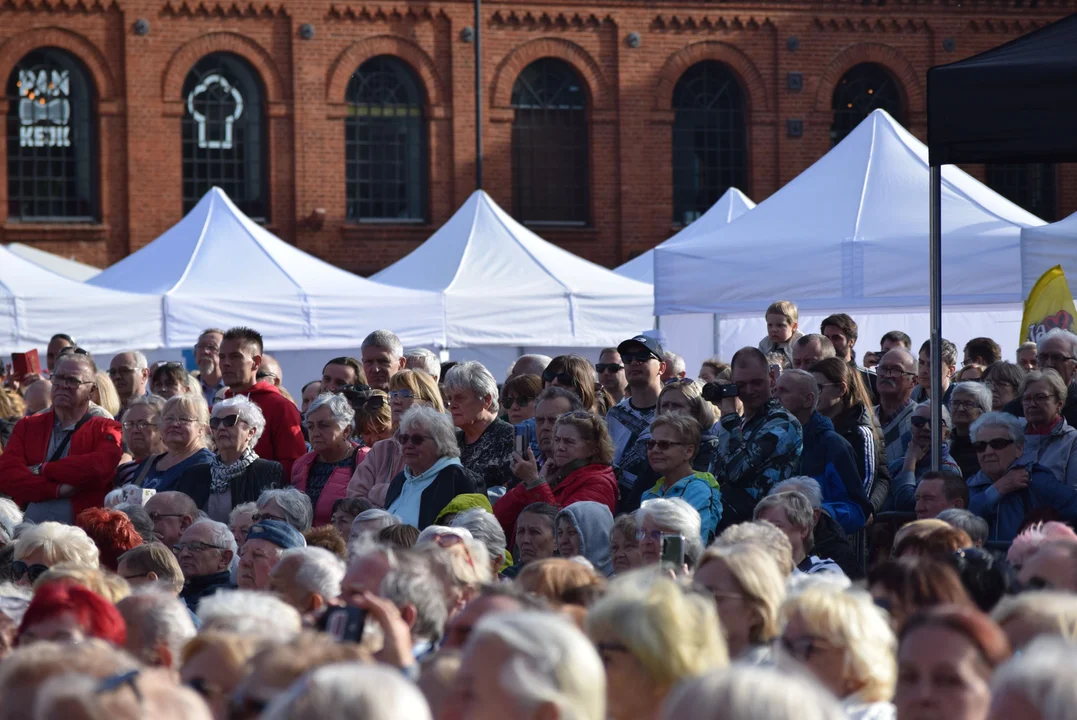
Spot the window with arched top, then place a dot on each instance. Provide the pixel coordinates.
(865, 87)
(710, 139)
(550, 145)
(385, 143)
(224, 134)
(1033, 186)
(51, 139)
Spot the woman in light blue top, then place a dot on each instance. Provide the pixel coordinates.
(671, 449)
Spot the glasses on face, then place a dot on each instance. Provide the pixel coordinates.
(194, 546)
(641, 357)
(413, 440)
(995, 444)
(801, 648)
(1052, 358)
(226, 421)
(642, 535)
(156, 516)
(609, 367)
(70, 381)
(963, 405)
(520, 402)
(920, 422)
(680, 381)
(117, 371)
(259, 516)
(138, 425)
(891, 371)
(20, 569)
(563, 378)
(663, 445)
(403, 394)
(178, 420)
(1037, 399)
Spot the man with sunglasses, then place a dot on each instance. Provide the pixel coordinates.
(61, 462)
(631, 417)
(611, 373)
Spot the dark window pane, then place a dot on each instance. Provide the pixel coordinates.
(1030, 185)
(51, 139)
(223, 134)
(385, 143)
(709, 139)
(550, 175)
(864, 88)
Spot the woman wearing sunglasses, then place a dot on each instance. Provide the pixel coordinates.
(574, 373)
(324, 473)
(906, 472)
(518, 398)
(1010, 489)
(236, 475)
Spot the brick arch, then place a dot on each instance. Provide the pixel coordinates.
(85, 51)
(359, 52)
(755, 90)
(579, 59)
(888, 57)
(184, 59)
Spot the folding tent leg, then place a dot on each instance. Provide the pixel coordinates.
(935, 269)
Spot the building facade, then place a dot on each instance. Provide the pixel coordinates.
(349, 128)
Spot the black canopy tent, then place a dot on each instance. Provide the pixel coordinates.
(1013, 103)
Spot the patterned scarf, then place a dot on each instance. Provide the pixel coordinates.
(222, 475)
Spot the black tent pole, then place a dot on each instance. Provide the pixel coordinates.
(478, 95)
(935, 269)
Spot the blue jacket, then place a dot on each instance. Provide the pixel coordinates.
(903, 482)
(700, 490)
(828, 457)
(1006, 513)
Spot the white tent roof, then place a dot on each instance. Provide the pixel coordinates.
(504, 285)
(1046, 246)
(36, 303)
(851, 232)
(71, 269)
(218, 268)
(725, 210)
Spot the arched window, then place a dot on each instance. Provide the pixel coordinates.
(550, 174)
(224, 134)
(864, 88)
(385, 143)
(1030, 185)
(51, 143)
(710, 143)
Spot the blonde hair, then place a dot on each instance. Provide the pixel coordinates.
(58, 543)
(684, 427)
(1052, 613)
(919, 529)
(592, 428)
(235, 650)
(193, 404)
(850, 620)
(374, 421)
(107, 397)
(671, 630)
(760, 533)
(786, 309)
(761, 582)
(552, 578)
(692, 390)
(423, 387)
(108, 585)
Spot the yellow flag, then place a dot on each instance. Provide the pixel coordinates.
(1049, 305)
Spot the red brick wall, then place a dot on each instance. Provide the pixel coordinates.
(138, 81)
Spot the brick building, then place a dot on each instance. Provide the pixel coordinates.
(349, 127)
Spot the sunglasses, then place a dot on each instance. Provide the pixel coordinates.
(609, 367)
(563, 378)
(406, 394)
(663, 445)
(413, 440)
(19, 569)
(520, 402)
(226, 421)
(637, 357)
(996, 444)
(919, 422)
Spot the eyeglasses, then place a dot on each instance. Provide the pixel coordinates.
(138, 425)
(226, 421)
(155, 516)
(664, 445)
(178, 420)
(609, 367)
(194, 547)
(563, 378)
(70, 381)
(642, 534)
(404, 394)
(641, 357)
(963, 405)
(520, 402)
(801, 648)
(115, 682)
(680, 381)
(1037, 399)
(258, 517)
(994, 444)
(117, 371)
(1045, 358)
(19, 569)
(892, 372)
(920, 422)
(413, 440)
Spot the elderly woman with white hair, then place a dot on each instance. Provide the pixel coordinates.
(652, 633)
(1009, 486)
(1037, 684)
(751, 693)
(905, 472)
(487, 442)
(433, 474)
(672, 516)
(237, 475)
(184, 427)
(485, 528)
(39, 547)
(1030, 615)
(791, 512)
(350, 691)
(287, 505)
(324, 473)
(968, 401)
(1049, 439)
(547, 668)
(843, 639)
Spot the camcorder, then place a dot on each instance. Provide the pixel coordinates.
(715, 392)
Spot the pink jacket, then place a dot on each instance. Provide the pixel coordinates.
(334, 490)
(372, 476)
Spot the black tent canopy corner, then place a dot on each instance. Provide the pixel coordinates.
(1014, 103)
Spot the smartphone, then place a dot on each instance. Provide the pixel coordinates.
(522, 439)
(344, 624)
(673, 550)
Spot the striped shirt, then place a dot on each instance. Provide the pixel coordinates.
(898, 432)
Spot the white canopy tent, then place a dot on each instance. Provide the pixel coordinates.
(71, 269)
(36, 303)
(850, 234)
(1046, 246)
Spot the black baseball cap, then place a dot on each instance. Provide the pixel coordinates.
(649, 343)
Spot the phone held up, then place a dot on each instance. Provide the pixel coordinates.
(522, 440)
(344, 624)
(672, 551)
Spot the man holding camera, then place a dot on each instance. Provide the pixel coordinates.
(764, 445)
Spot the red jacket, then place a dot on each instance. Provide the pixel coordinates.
(90, 465)
(283, 437)
(591, 482)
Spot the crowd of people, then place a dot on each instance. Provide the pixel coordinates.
(414, 539)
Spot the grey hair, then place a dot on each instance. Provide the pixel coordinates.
(944, 412)
(162, 619)
(140, 359)
(976, 391)
(427, 361)
(550, 661)
(10, 514)
(152, 401)
(1002, 420)
(485, 528)
(383, 518)
(247, 507)
(386, 340)
(413, 582)
(220, 533)
(747, 692)
(475, 378)
(59, 543)
(674, 363)
(318, 571)
(295, 504)
(1041, 675)
(350, 691)
(247, 411)
(1049, 376)
(1059, 334)
(339, 409)
(797, 509)
(554, 392)
(249, 612)
(806, 486)
(805, 378)
(675, 515)
(973, 525)
(437, 424)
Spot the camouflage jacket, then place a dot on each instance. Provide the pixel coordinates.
(761, 452)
